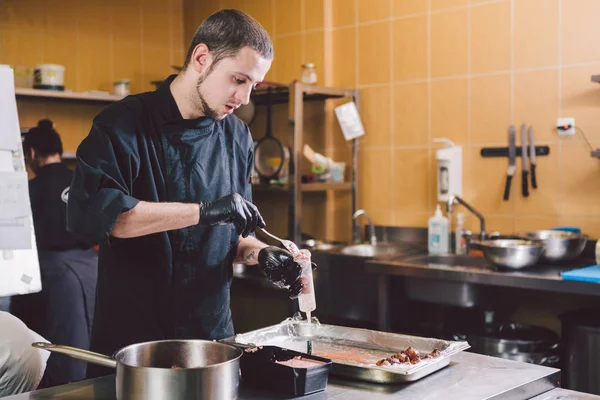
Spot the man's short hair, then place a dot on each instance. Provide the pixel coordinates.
(226, 32)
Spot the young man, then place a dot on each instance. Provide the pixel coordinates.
(163, 182)
(63, 311)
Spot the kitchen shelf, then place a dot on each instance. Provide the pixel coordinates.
(66, 95)
(596, 78)
(305, 187)
(281, 94)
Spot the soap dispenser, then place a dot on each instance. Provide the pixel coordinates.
(437, 233)
(449, 170)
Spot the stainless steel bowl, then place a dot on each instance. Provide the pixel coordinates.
(560, 245)
(511, 253)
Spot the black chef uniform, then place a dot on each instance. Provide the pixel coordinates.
(63, 311)
(168, 285)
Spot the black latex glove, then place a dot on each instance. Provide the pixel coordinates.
(281, 269)
(231, 209)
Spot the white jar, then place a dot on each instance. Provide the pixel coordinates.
(49, 76)
(309, 75)
(121, 87)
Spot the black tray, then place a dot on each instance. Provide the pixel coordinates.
(260, 371)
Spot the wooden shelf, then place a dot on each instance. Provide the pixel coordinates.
(596, 78)
(306, 187)
(281, 94)
(65, 95)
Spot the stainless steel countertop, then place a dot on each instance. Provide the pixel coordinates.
(564, 394)
(540, 277)
(468, 377)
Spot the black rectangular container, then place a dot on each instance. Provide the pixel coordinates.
(260, 371)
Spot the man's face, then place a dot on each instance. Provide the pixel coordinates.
(225, 86)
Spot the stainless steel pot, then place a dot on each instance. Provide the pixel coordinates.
(168, 369)
(560, 245)
(510, 253)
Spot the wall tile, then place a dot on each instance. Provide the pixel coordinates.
(411, 180)
(581, 99)
(580, 20)
(545, 199)
(313, 14)
(343, 57)
(410, 48)
(536, 37)
(449, 43)
(373, 53)
(288, 58)
(487, 181)
(287, 16)
(490, 37)
(344, 13)
(490, 108)
(449, 103)
(368, 11)
(407, 7)
(262, 14)
(410, 114)
(536, 102)
(375, 112)
(375, 193)
(526, 223)
(579, 183)
(441, 4)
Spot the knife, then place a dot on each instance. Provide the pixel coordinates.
(512, 156)
(532, 157)
(525, 165)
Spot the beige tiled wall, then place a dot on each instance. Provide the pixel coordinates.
(98, 42)
(466, 70)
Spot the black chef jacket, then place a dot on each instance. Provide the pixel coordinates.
(171, 284)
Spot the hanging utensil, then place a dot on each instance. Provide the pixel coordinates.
(532, 157)
(269, 154)
(512, 156)
(525, 164)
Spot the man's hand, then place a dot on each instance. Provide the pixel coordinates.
(231, 209)
(281, 269)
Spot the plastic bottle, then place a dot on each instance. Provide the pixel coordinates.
(306, 299)
(459, 241)
(438, 233)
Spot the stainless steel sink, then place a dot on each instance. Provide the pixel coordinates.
(368, 250)
(449, 259)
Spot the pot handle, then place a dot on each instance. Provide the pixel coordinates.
(80, 354)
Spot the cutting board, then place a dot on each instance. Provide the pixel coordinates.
(587, 274)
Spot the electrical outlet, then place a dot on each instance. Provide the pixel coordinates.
(565, 126)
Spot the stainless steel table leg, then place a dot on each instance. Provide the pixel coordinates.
(383, 307)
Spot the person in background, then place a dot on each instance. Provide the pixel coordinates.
(63, 311)
(163, 183)
(21, 366)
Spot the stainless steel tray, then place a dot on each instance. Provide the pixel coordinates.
(353, 351)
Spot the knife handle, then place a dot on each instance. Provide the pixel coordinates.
(533, 180)
(525, 185)
(507, 187)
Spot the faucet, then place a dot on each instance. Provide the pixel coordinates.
(357, 214)
(455, 199)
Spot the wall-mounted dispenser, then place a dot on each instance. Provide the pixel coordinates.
(449, 170)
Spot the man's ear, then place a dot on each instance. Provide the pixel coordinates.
(200, 59)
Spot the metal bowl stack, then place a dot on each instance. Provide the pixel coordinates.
(511, 253)
(559, 245)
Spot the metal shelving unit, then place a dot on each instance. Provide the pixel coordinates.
(299, 93)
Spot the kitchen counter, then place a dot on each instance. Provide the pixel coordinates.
(564, 394)
(468, 377)
(544, 277)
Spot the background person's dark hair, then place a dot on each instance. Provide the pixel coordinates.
(226, 32)
(43, 139)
